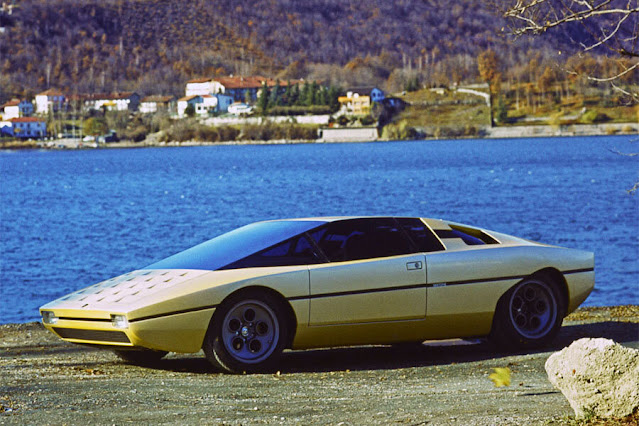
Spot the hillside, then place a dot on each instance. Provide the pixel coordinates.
(154, 46)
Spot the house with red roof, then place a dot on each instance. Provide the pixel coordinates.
(27, 128)
(16, 108)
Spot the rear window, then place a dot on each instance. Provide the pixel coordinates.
(470, 236)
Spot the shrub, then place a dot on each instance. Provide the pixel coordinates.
(593, 116)
(367, 120)
(398, 131)
(138, 134)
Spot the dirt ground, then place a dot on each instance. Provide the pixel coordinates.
(44, 380)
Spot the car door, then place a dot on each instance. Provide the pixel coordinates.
(374, 274)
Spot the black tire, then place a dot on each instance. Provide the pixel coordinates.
(140, 356)
(248, 333)
(528, 315)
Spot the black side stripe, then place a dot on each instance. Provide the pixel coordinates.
(578, 271)
(363, 291)
(168, 314)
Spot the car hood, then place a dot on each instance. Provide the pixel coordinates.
(128, 290)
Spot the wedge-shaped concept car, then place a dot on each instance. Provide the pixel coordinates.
(248, 294)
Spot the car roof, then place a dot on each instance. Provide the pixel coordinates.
(433, 223)
(332, 218)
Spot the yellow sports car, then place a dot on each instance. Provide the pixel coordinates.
(246, 295)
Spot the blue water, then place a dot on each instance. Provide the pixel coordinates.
(73, 218)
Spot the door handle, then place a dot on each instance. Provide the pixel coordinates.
(413, 266)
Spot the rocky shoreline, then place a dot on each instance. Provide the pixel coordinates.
(46, 381)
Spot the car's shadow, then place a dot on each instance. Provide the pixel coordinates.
(427, 354)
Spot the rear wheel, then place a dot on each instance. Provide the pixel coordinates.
(247, 334)
(140, 356)
(528, 315)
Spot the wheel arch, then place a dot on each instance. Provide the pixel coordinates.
(549, 275)
(289, 313)
(556, 278)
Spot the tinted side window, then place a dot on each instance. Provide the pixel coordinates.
(363, 239)
(296, 251)
(421, 235)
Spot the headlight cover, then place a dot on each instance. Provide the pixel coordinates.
(48, 317)
(119, 321)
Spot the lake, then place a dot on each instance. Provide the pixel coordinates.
(72, 218)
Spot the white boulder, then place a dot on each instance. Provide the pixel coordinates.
(598, 377)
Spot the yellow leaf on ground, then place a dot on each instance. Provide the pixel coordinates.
(501, 376)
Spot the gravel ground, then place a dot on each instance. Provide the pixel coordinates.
(44, 380)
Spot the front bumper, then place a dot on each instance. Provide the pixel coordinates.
(181, 332)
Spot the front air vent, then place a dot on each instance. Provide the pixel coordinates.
(93, 335)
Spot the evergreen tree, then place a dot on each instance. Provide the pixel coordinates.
(295, 95)
(303, 96)
(274, 98)
(333, 97)
(262, 101)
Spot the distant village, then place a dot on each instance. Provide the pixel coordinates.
(204, 97)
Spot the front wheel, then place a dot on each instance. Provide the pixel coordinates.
(248, 333)
(528, 315)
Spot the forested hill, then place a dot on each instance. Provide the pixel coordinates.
(154, 46)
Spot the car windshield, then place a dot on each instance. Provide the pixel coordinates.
(235, 245)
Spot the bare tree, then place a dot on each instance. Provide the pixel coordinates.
(609, 24)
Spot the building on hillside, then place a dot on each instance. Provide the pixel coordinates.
(204, 105)
(377, 95)
(49, 100)
(183, 103)
(200, 86)
(354, 104)
(28, 127)
(209, 105)
(6, 128)
(10, 110)
(16, 108)
(223, 102)
(158, 103)
(117, 101)
(241, 89)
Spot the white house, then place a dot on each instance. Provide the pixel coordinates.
(117, 101)
(153, 104)
(209, 104)
(28, 127)
(49, 100)
(11, 109)
(202, 104)
(200, 86)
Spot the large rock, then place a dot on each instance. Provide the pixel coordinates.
(598, 377)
